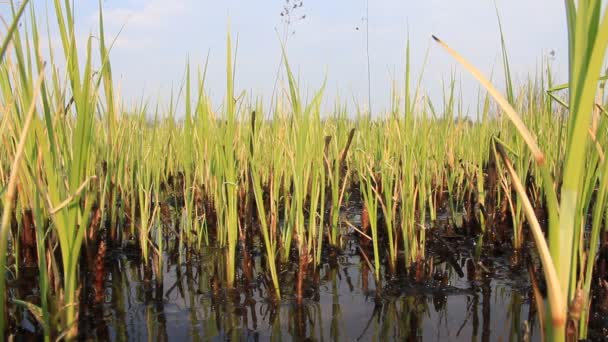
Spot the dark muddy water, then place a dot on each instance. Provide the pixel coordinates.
(342, 304)
(456, 302)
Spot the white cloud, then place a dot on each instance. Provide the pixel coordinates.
(153, 15)
(141, 21)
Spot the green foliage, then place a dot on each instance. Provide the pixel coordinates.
(287, 175)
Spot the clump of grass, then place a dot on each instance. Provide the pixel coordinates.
(588, 38)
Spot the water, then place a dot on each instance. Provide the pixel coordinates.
(342, 303)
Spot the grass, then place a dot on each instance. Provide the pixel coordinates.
(561, 257)
(286, 174)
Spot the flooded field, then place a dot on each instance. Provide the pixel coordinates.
(460, 299)
(342, 304)
(192, 217)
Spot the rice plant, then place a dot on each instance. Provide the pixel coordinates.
(588, 37)
(81, 171)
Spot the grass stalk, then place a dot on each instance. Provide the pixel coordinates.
(9, 198)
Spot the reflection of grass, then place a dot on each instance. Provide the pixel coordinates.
(72, 147)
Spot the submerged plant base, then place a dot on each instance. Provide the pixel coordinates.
(451, 295)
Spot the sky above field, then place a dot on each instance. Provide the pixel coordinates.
(158, 36)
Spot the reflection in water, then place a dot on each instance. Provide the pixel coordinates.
(187, 300)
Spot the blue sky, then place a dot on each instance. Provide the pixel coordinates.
(159, 35)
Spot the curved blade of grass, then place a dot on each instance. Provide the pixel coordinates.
(564, 86)
(548, 183)
(556, 298)
(504, 104)
(35, 310)
(12, 28)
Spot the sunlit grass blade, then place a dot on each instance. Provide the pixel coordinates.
(12, 28)
(11, 193)
(555, 293)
